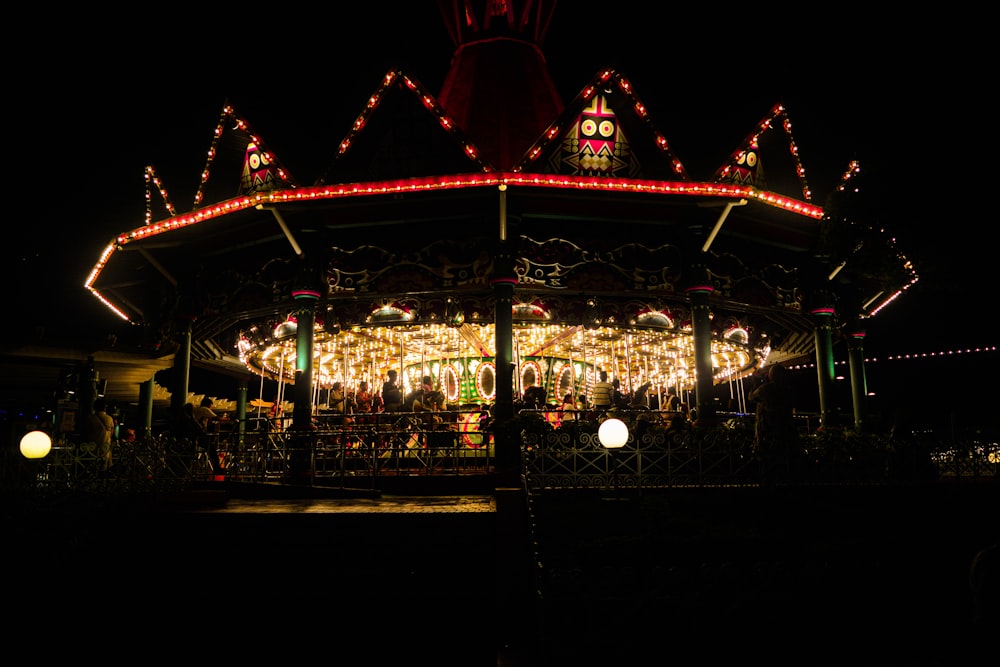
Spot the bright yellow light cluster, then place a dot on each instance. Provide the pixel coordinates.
(662, 357)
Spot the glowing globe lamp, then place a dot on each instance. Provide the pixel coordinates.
(613, 433)
(36, 445)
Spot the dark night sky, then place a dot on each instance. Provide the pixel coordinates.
(150, 91)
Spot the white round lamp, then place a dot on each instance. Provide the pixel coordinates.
(36, 445)
(613, 433)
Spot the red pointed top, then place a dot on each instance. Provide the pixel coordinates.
(473, 20)
(498, 89)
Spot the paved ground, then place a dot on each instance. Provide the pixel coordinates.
(347, 581)
(807, 576)
(382, 505)
(706, 576)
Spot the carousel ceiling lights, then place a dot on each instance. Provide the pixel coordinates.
(545, 354)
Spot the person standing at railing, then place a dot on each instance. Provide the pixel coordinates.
(984, 583)
(392, 395)
(187, 434)
(341, 408)
(640, 398)
(433, 405)
(534, 398)
(774, 425)
(338, 404)
(377, 405)
(363, 401)
(618, 399)
(100, 429)
(274, 415)
(205, 415)
(603, 395)
(672, 403)
(208, 419)
(567, 411)
(414, 401)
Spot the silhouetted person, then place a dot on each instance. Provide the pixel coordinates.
(534, 397)
(414, 401)
(99, 429)
(567, 411)
(679, 419)
(392, 395)
(908, 459)
(618, 399)
(774, 428)
(208, 440)
(188, 433)
(338, 404)
(365, 402)
(603, 394)
(640, 399)
(672, 402)
(984, 582)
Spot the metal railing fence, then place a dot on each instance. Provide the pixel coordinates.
(659, 453)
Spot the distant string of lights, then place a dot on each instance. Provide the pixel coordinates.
(908, 357)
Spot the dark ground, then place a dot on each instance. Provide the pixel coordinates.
(818, 576)
(803, 576)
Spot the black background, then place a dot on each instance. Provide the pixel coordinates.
(93, 101)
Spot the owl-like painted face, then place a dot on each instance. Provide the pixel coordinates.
(597, 134)
(596, 145)
(257, 173)
(745, 168)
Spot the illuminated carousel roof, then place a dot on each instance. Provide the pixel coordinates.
(608, 229)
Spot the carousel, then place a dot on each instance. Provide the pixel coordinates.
(560, 359)
(497, 238)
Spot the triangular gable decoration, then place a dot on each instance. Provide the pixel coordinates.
(376, 149)
(259, 173)
(849, 176)
(596, 145)
(770, 144)
(163, 208)
(605, 132)
(239, 164)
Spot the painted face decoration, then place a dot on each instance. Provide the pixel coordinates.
(258, 174)
(596, 145)
(744, 169)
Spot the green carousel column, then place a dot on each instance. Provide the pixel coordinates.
(241, 412)
(146, 408)
(503, 289)
(301, 432)
(511, 504)
(88, 389)
(859, 385)
(504, 280)
(701, 324)
(507, 446)
(507, 451)
(824, 364)
(181, 370)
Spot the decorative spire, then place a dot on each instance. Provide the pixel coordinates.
(499, 91)
(471, 20)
